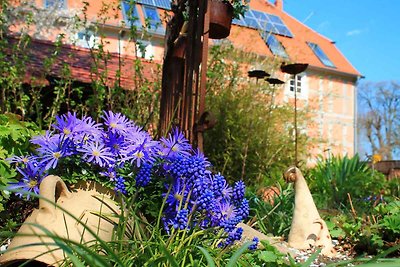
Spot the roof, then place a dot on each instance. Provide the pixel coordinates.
(81, 62)
(296, 46)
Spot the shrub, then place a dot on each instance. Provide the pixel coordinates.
(334, 179)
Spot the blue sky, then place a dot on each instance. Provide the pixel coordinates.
(367, 32)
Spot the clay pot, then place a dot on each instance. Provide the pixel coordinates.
(221, 14)
(87, 202)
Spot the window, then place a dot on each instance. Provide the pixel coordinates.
(274, 45)
(321, 55)
(55, 3)
(133, 18)
(86, 39)
(152, 17)
(144, 49)
(295, 80)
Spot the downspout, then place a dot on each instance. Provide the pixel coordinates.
(356, 137)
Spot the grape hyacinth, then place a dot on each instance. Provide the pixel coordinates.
(123, 156)
(144, 175)
(254, 244)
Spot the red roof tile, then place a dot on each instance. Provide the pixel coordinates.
(82, 61)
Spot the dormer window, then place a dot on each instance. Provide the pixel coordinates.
(151, 16)
(320, 54)
(131, 14)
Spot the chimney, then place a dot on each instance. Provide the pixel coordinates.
(279, 4)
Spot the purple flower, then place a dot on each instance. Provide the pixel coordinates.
(116, 122)
(120, 185)
(181, 219)
(254, 244)
(53, 150)
(220, 187)
(175, 144)
(115, 142)
(144, 175)
(111, 173)
(238, 192)
(21, 159)
(66, 123)
(97, 153)
(32, 175)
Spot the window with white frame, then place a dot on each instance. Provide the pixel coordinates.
(55, 3)
(295, 80)
(301, 84)
(86, 39)
(145, 49)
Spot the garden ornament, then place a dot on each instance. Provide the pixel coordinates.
(308, 228)
(89, 202)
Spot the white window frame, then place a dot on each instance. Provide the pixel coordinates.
(93, 41)
(149, 51)
(302, 86)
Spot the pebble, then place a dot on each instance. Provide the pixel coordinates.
(4, 247)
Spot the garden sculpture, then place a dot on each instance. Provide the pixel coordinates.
(308, 228)
(88, 202)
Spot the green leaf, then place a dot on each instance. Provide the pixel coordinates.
(235, 257)
(210, 261)
(268, 256)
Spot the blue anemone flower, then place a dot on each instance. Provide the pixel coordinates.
(96, 152)
(116, 122)
(175, 144)
(66, 123)
(32, 175)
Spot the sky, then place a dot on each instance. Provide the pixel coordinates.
(367, 32)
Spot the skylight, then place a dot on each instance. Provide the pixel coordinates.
(274, 45)
(320, 54)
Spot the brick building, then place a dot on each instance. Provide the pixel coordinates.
(327, 88)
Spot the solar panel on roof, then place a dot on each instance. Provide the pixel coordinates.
(164, 4)
(275, 19)
(263, 21)
(239, 21)
(251, 22)
(146, 2)
(259, 15)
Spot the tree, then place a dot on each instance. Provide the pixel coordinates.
(253, 137)
(378, 120)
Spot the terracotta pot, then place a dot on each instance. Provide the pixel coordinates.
(221, 14)
(86, 201)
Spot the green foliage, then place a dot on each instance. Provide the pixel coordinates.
(372, 233)
(40, 97)
(142, 241)
(268, 255)
(14, 139)
(251, 139)
(335, 179)
(274, 217)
